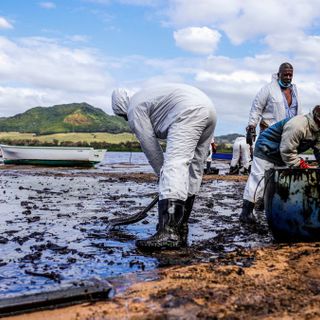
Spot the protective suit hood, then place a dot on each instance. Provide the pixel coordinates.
(120, 102)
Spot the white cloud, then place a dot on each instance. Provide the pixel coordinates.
(47, 5)
(22, 98)
(297, 43)
(198, 40)
(78, 38)
(129, 2)
(239, 76)
(44, 63)
(98, 1)
(40, 71)
(246, 19)
(257, 18)
(140, 2)
(5, 24)
(183, 13)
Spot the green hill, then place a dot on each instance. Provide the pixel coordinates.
(227, 138)
(74, 117)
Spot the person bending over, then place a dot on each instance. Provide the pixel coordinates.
(280, 145)
(186, 118)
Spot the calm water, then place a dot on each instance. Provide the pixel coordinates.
(137, 162)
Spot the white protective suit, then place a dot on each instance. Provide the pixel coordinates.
(186, 118)
(209, 157)
(241, 153)
(268, 105)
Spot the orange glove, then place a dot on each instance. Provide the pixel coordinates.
(303, 165)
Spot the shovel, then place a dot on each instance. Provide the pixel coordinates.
(133, 218)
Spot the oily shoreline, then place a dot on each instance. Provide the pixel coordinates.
(217, 277)
(275, 282)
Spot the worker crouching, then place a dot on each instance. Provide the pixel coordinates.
(280, 145)
(186, 118)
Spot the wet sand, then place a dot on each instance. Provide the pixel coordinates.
(277, 282)
(228, 271)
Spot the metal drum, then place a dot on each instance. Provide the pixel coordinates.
(292, 203)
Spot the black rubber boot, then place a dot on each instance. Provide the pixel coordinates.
(234, 170)
(208, 169)
(184, 229)
(171, 213)
(245, 172)
(247, 215)
(259, 205)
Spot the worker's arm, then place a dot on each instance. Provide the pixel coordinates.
(258, 105)
(140, 123)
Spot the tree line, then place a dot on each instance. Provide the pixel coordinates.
(122, 146)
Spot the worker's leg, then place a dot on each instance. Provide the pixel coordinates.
(255, 184)
(245, 157)
(254, 188)
(187, 144)
(196, 171)
(182, 140)
(208, 167)
(234, 164)
(200, 154)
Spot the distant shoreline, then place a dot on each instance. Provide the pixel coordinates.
(99, 140)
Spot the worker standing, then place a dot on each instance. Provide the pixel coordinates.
(275, 101)
(186, 118)
(280, 145)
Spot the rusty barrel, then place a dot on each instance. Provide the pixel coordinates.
(292, 203)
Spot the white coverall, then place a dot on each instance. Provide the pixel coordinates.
(255, 184)
(268, 105)
(241, 153)
(186, 118)
(209, 157)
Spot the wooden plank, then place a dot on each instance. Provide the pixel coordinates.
(57, 298)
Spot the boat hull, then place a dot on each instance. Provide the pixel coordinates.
(292, 203)
(51, 156)
(221, 156)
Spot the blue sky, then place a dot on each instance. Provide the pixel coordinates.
(64, 51)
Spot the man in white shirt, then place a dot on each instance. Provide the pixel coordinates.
(275, 101)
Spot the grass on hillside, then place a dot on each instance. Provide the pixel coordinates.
(72, 137)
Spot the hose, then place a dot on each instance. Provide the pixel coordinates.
(135, 217)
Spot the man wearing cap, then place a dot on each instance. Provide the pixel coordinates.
(186, 118)
(280, 145)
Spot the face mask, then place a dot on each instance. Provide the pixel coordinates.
(284, 85)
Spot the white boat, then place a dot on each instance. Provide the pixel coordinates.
(52, 156)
